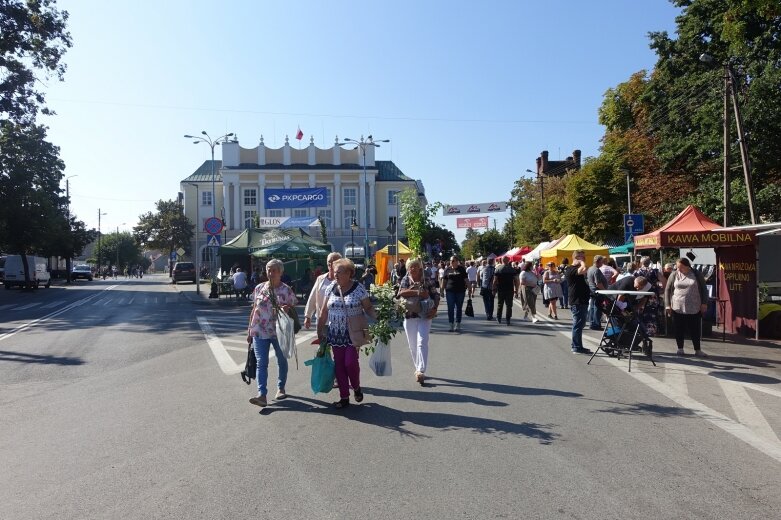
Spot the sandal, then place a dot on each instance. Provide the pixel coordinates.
(358, 395)
(342, 403)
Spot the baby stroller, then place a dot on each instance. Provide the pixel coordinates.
(624, 333)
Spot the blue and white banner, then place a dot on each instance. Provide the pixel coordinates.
(279, 198)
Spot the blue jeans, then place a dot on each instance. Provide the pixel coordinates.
(564, 299)
(260, 345)
(595, 312)
(578, 322)
(455, 301)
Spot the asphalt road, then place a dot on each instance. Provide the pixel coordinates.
(123, 401)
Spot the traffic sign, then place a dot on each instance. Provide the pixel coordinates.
(213, 226)
(173, 256)
(634, 224)
(213, 241)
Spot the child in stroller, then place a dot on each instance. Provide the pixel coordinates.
(624, 329)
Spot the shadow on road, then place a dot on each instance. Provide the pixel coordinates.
(654, 410)
(433, 397)
(498, 388)
(22, 357)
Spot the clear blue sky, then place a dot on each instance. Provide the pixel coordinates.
(468, 93)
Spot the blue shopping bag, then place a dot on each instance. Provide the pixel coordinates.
(322, 364)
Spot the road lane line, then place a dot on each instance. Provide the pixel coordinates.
(734, 428)
(6, 306)
(675, 377)
(746, 410)
(224, 360)
(28, 306)
(52, 304)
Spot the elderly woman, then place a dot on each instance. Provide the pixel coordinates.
(345, 298)
(651, 309)
(529, 291)
(269, 298)
(418, 325)
(454, 280)
(686, 299)
(552, 290)
(319, 293)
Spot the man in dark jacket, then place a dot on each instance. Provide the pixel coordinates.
(505, 284)
(579, 295)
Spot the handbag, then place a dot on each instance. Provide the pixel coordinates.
(357, 326)
(292, 312)
(251, 365)
(322, 379)
(469, 311)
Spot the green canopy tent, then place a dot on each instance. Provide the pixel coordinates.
(622, 250)
(238, 250)
(298, 250)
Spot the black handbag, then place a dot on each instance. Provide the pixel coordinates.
(470, 311)
(250, 367)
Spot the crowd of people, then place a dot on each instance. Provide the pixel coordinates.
(338, 295)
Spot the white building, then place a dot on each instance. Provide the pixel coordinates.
(243, 175)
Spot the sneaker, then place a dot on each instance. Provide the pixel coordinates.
(535, 320)
(700, 353)
(419, 377)
(525, 316)
(498, 320)
(680, 352)
(259, 401)
(507, 322)
(280, 394)
(595, 327)
(452, 326)
(583, 350)
(458, 326)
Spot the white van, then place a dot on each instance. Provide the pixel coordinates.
(14, 271)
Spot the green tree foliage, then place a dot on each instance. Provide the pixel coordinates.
(33, 39)
(441, 240)
(122, 247)
(685, 97)
(416, 218)
(483, 244)
(167, 229)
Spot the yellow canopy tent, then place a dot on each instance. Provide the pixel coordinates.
(384, 261)
(567, 245)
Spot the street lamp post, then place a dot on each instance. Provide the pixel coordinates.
(197, 251)
(100, 260)
(118, 243)
(211, 143)
(69, 260)
(353, 227)
(362, 145)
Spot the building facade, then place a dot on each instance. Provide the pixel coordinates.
(233, 189)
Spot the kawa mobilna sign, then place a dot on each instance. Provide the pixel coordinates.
(278, 198)
(696, 239)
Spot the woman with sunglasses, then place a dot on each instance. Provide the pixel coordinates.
(455, 289)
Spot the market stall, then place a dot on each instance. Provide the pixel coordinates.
(568, 245)
(383, 260)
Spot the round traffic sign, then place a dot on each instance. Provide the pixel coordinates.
(213, 226)
(630, 223)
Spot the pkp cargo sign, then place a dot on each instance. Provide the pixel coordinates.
(277, 198)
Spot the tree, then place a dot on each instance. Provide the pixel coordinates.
(33, 39)
(119, 249)
(440, 241)
(167, 229)
(416, 218)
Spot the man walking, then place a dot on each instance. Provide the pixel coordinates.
(471, 275)
(578, 298)
(485, 278)
(596, 281)
(505, 285)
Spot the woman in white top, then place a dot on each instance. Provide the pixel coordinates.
(318, 294)
(528, 294)
(552, 289)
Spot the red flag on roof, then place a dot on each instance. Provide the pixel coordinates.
(299, 134)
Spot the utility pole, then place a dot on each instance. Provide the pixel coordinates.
(725, 149)
(743, 148)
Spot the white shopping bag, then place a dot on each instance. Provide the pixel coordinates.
(380, 360)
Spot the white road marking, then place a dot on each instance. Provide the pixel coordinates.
(131, 300)
(28, 306)
(746, 410)
(224, 360)
(52, 304)
(675, 377)
(770, 448)
(7, 306)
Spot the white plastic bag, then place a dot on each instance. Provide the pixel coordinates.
(285, 335)
(380, 360)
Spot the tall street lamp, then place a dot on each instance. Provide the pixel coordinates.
(69, 260)
(99, 243)
(122, 224)
(197, 251)
(363, 145)
(353, 227)
(211, 143)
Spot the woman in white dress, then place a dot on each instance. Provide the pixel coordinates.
(551, 290)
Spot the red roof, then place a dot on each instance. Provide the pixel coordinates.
(691, 228)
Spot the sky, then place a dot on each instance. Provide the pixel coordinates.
(468, 93)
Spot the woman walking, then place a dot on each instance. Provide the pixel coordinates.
(529, 290)
(417, 325)
(552, 289)
(454, 280)
(345, 298)
(685, 298)
(269, 298)
(564, 300)
(319, 293)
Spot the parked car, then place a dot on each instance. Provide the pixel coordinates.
(2, 267)
(14, 271)
(184, 271)
(81, 271)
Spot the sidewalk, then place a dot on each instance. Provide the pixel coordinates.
(188, 290)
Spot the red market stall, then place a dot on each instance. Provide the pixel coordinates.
(735, 257)
(515, 254)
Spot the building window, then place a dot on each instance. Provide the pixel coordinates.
(349, 216)
(274, 212)
(328, 196)
(300, 212)
(350, 194)
(392, 195)
(249, 218)
(206, 198)
(250, 197)
(325, 216)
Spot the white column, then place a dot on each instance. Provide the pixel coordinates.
(288, 211)
(338, 220)
(261, 198)
(362, 203)
(226, 203)
(238, 222)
